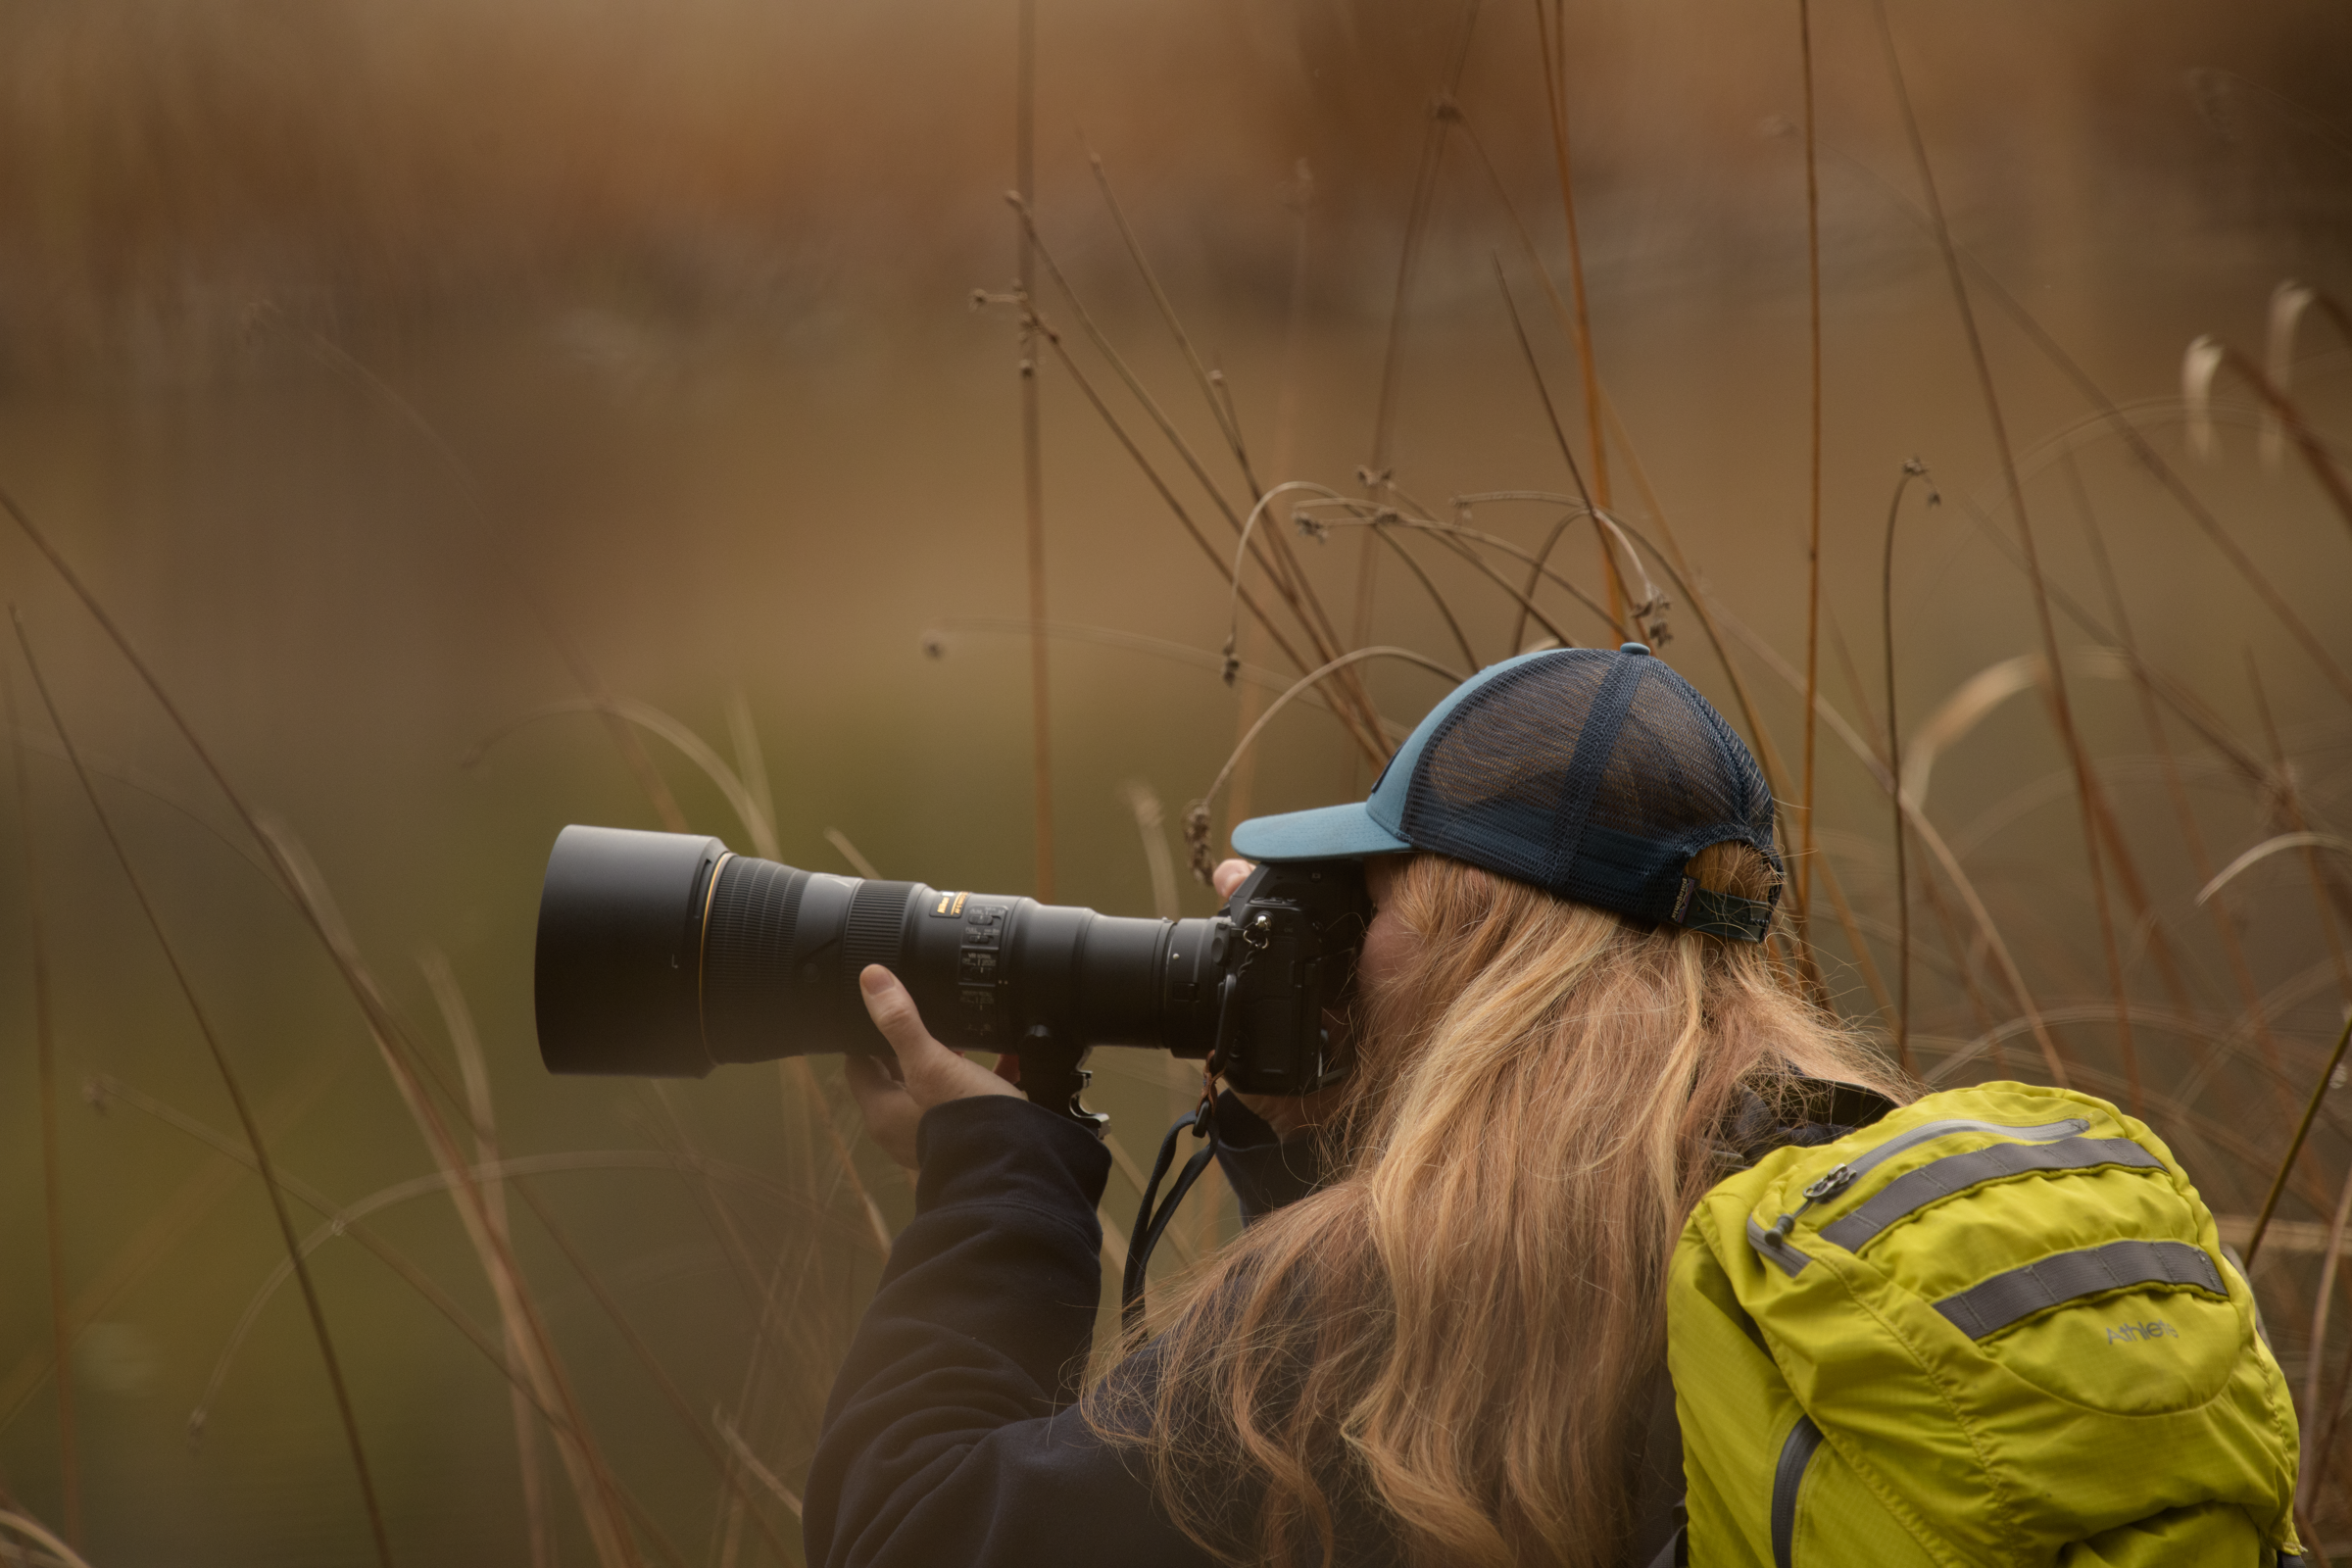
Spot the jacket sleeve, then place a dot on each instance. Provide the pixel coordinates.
(1264, 1172)
(951, 1440)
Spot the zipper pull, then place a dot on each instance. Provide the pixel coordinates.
(1827, 1187)
(1830, 1185)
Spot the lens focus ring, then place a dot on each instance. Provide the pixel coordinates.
(746, 951)
(877, 928)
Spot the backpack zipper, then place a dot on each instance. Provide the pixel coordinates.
(1839, 1177)
(1787, 1480)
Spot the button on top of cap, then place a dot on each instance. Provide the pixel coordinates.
(1633, 648)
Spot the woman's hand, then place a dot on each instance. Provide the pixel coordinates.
(1290, 1115)
(929, 1073)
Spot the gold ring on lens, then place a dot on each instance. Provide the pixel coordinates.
(702, 949)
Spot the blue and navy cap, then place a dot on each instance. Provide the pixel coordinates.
(1590, 774)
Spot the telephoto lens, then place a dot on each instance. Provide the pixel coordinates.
(667, 955)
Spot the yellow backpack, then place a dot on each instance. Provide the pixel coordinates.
(1995, 1327)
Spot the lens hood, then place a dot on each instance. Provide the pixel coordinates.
(615, 974)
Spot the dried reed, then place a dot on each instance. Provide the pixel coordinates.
(44, 1049)
(460, 477)
(1912, 469)
(34, 1531)
(492, 1176)
(1293, 590)
(229, 1082)
(1032, 470)
(2114, 417)
(1805, 41)
(601, 1501)
(2061, 705)
(165, 1225)
(750, 808)
(457, 1019)
(2311, 1109)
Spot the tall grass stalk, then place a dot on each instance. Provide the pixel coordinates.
(1461, 539)
(1429, 586)
(751, 766)
(852, 853)
(2311, 1109)
(347, 1220)
(693, 1169)
(1428, 173)
(1805, 859)
(2061, 704)
(750, 1461)
(1032, 462)
(2289, 300)
(460, 476)
(1219, 409)
(165, 1226)
(337, 1220)
(2143, 450)
(603, 1506)
(1366, 514)
(1284, 571)
(2206, 356)
(2160, 944)
(1367, 739)
(2315, 1457)
(1151, 828)
(1285, 432)
(35, 1532)
(2192, 835)
(803, 1077)
(1297, 595)
(601, 1501)
(1559, 309)
(696, 1427)
(236, 1096)
(1912, 469)
(2287, 799)
(2030, 1014)
(457, 1020)
(1551, 418)
(45, 1049)
(1196, 826)
(750, 809)
(1552, 51)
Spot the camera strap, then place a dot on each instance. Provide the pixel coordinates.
(1151, 1218)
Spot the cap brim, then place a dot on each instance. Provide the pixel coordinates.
(1327, 833)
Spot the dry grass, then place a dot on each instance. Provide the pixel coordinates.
(2143, 958)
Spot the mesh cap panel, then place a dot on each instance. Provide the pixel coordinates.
(1592, 775)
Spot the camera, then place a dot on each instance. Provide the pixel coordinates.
(667, 955)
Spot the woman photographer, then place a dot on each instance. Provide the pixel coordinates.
(1566, 1027)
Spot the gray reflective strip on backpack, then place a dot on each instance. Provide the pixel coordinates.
(1916, 1190)
(2004, 1299)
(1788, 1479)
(1929, 1131)
(1774, 1250)
(1791, 1262)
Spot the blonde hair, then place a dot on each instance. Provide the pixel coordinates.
(1446, 1351)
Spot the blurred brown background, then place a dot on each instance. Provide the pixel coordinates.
(356, 355)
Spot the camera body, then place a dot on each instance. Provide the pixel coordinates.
(666, 955)
(1290, 935)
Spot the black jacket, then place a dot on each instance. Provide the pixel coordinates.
(952, 1439)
